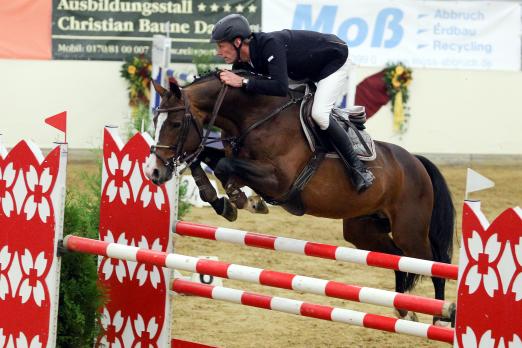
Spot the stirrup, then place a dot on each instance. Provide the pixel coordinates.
(362, 179)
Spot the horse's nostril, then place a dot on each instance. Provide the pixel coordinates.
(155, 173)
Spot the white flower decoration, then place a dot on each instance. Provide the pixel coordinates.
(36, 200)
(517, 284)
(469, 339)
(116, 265)
(5, 259)
(118, 171)
(110, 327)
(21, 341)
(152, 192)
(6, 180)
(482, 272)
(32, 284)
(146, 271)
(517, 342)
(151, 329)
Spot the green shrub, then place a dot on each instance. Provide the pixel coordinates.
(140, 119)
(183, 207)
(80, 296)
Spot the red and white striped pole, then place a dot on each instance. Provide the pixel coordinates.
(325, 251)
(260, 276)
(306, 309)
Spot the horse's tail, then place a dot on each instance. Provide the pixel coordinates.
(442, 225)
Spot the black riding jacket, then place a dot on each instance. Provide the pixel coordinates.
(294, 54)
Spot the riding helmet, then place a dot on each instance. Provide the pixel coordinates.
(230, 27)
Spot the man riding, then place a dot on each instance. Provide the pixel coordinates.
(298, 55)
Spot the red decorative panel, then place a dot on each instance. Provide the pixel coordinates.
(134, 212)
(32, 192)
(489, 306)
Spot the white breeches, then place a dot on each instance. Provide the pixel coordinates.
(328, 91)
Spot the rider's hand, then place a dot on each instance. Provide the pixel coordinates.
(231, 79)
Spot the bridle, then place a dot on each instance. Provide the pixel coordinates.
(188, 120)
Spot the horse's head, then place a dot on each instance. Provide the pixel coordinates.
(182, 113)
(178, 134)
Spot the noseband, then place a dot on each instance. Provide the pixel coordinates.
(188, 120)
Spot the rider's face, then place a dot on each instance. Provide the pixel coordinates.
(227, 51)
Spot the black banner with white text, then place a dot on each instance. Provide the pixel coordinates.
(115, 29)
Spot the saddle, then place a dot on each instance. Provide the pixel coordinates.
(351, 119)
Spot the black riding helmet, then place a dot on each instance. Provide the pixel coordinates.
(229, 28)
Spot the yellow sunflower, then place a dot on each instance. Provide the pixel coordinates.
(395, 81)
(399, 70)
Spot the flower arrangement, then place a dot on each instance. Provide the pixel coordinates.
(137, 71)
(397, 78)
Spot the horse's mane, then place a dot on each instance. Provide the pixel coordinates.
(214, 74)
(204, 76)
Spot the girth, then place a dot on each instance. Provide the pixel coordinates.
(291, 200)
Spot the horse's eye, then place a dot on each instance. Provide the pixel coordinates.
(175, 124)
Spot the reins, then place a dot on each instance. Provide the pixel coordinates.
(188, 119)
(237, 141)
(215, 110)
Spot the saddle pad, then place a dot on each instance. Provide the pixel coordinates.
(354, 139)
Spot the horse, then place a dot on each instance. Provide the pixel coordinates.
(408, 211)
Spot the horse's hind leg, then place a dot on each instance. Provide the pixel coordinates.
(372, 233)
(439, 286)
(410, 233)
(256, 204)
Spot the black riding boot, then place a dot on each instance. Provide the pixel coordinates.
(361, 177)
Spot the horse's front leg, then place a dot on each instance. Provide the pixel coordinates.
(208, 194)
(235, 173)
(254, 204)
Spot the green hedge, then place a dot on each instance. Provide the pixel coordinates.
(80, 296)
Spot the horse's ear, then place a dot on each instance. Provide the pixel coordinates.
(160, 90)
(174, 88)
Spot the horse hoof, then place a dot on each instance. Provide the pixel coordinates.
(256, 205)
(438, 321)
(229, 211)
(411, 316)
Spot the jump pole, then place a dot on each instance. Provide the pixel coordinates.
(346, 316)
(325, 251)
(260, 276)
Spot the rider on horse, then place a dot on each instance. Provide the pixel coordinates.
(295, 54)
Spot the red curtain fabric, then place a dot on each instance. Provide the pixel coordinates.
(371, 93)
(25, 29)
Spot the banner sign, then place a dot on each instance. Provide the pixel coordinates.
(428, 34)
(115, 29)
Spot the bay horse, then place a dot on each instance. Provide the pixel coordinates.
(407, 211)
